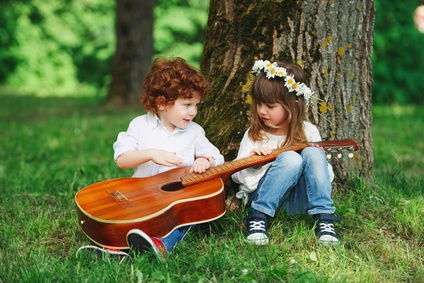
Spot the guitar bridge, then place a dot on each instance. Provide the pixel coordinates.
(119, 196)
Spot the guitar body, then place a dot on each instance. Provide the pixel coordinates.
(157, 205)
(161, 203)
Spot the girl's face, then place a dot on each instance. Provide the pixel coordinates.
(179, 114)
(273, 115)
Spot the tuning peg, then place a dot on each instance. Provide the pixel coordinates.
(329, 156)
(339, 155)
(350, 155)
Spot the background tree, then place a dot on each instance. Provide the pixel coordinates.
(66, 47)
(134, 49)
(331, 40)
(178, 30)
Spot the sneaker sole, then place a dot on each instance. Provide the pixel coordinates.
(258, 242)
(141, 242)
(328, 243)
(122, 255)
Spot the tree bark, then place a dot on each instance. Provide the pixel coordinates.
(134, 49)
(331, 40)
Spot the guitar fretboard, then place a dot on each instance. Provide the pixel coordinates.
(230, 167)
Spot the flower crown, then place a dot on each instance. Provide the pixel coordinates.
(272, 70)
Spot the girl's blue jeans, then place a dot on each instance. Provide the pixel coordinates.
(296, 183)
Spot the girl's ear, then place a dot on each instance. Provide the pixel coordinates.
(161, 102)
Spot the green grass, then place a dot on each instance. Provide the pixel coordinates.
(53, 147)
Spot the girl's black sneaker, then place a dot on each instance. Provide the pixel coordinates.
(324, 229)
(256, 225)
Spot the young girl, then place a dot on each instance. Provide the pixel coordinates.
(166, 137)
(294, 182)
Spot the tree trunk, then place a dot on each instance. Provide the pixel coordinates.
(134, 49)
(331, 40)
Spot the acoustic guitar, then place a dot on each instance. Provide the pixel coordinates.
(159, 204)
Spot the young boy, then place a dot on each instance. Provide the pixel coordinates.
(166, 137)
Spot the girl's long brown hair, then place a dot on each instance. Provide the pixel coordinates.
(273, 91)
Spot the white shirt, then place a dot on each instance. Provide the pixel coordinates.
(250, 177)
(147, 131)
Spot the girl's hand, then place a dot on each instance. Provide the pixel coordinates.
(200, 165)
(165, 158)
(261, 151)
(317, 146)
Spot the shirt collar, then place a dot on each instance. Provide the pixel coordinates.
(153, 121)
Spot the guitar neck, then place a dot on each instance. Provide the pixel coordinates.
(228, 168)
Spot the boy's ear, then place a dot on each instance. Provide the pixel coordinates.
(161, 102)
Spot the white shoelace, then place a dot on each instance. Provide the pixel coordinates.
(257, 225)
(327, 228)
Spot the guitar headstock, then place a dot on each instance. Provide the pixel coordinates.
(339, 148)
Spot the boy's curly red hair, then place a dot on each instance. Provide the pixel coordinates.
(168, 79)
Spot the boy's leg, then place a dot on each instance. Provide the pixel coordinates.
(176, 236)
(139, 241)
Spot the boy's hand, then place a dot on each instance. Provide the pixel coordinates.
(200, 165)
(261, 151)
(165, 158)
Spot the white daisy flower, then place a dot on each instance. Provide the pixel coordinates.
(268, 65)
(300, 89)
(289, 82)
(307, 93)
(272, 71)
(281, 72)
(259, 64)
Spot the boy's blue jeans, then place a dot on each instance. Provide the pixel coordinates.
(296, 183)
(176, 236)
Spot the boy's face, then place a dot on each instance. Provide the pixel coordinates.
(179, 114)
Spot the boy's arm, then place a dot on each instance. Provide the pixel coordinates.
(134, 158)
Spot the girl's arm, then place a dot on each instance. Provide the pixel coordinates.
(248, 178)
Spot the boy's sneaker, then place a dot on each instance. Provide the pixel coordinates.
(324, 229)
(140, 242)
(256, 225)
(100, 252)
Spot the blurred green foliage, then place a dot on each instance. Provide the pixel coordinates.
(61, 47)
(398, 58)
(179, 28)
(56, 47)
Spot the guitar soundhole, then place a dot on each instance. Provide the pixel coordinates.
(172, 187)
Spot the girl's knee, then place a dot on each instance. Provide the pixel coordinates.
(290, 157)
(312, 153)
